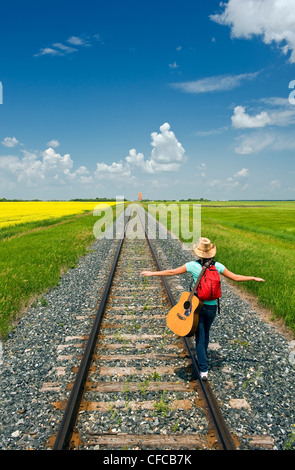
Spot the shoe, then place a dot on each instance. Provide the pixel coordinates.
(204, 375)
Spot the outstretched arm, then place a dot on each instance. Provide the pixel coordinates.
(239, 277)
(167, 272)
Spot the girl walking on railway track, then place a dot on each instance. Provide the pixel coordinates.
(205, 252)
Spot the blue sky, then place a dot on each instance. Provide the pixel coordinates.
(179, 99)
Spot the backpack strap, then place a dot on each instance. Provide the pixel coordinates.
(204, 267)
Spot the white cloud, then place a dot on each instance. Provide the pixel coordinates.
(33, 169)
(281, 112)
(61, 49)
(220, 130)
(65, 49)
(224, 184)
(254, 143)
(9, 164)
(201, 170)
(278, 113)
(77, 41)
(275, 101)
(273, 185)
(137, 160)
(10, 142)
(53, 161)
(167, 155)
(173, 66)
(48, 51)
(215, 83)
(202, 167)
(244, 172)
(273, 20)
(231, 182)
(115, 171)
(53, 143)
(42, 169)
(242, 120)
(282, 116)
(259, 141)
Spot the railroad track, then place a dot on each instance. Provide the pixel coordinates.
(138, 386)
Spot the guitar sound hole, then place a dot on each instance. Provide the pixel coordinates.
(187, 304)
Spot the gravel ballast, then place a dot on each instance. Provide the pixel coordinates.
(251, 363)
(39, 355)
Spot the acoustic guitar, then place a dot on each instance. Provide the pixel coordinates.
(183, 318)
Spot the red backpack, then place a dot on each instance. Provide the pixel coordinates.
(209, 287)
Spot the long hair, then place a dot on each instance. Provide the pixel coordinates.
(206, 261)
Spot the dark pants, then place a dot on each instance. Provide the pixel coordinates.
(206, 318)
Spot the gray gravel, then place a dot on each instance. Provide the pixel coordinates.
(32, 354)
(251, 363)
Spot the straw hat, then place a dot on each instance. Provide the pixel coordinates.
(204, 248)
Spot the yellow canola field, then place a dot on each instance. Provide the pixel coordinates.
(14, 213)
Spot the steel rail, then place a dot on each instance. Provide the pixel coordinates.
(214, 409)
(71, 412)
(69, 419)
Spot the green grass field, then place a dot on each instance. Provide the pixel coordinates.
(250, 240)
(33, 259)
(256, 238)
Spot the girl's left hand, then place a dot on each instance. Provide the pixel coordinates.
(146, 273)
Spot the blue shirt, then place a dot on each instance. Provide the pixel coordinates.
(195, 268)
